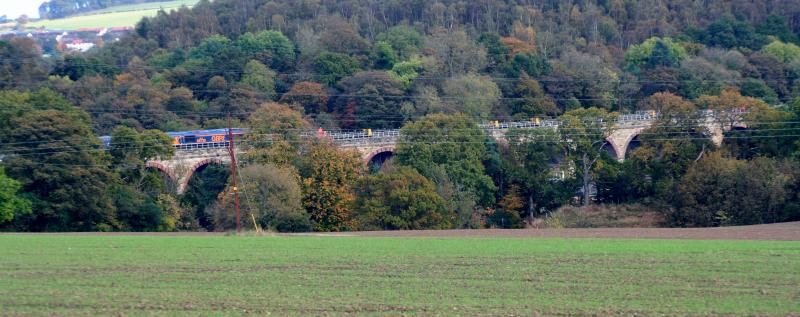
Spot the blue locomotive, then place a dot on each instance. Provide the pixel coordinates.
(203, 138)
(198, 139)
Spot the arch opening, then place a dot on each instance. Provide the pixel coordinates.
(609, 149)
(202, 188)
(633, 144)
(158, 180)
(737, 141)
(161, 168)
(159, 177)
(376, 162)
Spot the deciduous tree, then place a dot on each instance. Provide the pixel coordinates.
(722, 191)
(450, 143)
(61, 166)
(273, 136)
(269, 194)
(404, 40)
(585, 131)
(654, 52)
(270, 48)
(371, 100)
(472, 94)
(334, 66)
(11, 204)
(259, 78)
(400, 200)
(456, 52)
(329, 175)
(309, 95)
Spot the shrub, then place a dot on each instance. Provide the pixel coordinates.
(605, 216)
(292, 222)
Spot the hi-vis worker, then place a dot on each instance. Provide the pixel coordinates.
(496, 124)
(369, 132)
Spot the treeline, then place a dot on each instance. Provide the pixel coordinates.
(446, 172)
(434, 68)
(55, 9)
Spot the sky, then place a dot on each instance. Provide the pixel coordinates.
(15, 8)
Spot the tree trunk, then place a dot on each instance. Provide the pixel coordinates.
(530, 208)
(585, 180)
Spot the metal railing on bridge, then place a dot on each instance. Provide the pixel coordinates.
(198, 146)
(520, 124)
(357, 137)
(351, 138)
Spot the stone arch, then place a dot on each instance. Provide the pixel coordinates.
(633, 144)
(372, 154)
(184, 181)
(736, 137)
(377, 157)
(717, 134)
(609, 148)
(163, 168)
(620, 140)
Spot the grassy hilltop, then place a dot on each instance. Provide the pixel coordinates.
(124, 15)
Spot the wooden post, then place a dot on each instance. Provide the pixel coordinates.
(231, 151)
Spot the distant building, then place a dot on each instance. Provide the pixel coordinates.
(92, 30)
(80, 40)
(79, 46)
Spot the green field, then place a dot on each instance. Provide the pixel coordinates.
(90, 275)
(126, 15)
(166, 5)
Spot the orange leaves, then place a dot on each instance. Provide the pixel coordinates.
(517, 46)
(328, 187)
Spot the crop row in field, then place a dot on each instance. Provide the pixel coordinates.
(76, 275)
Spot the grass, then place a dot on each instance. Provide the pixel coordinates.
(91, 275)
(174, 4)
(126, 15)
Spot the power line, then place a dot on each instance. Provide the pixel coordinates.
(276, 133)
(564, 139)
(385, 118)
(403, 96)
(298, 74)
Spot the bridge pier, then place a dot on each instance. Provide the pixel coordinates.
(185, 163)
(181, 167)
(373, 143)
(621, 139)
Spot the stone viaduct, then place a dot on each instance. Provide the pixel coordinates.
(380, 144)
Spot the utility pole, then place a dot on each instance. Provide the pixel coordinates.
(233, 173)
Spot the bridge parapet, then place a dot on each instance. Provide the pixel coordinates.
(180, 168)
(641, 116)
(200, 152)
(358, 138)
(188, 158)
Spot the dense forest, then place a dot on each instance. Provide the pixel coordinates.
(433, 68)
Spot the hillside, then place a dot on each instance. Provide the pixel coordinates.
(114, 16)
(55, 9)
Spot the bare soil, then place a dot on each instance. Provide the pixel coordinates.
(788, 231)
